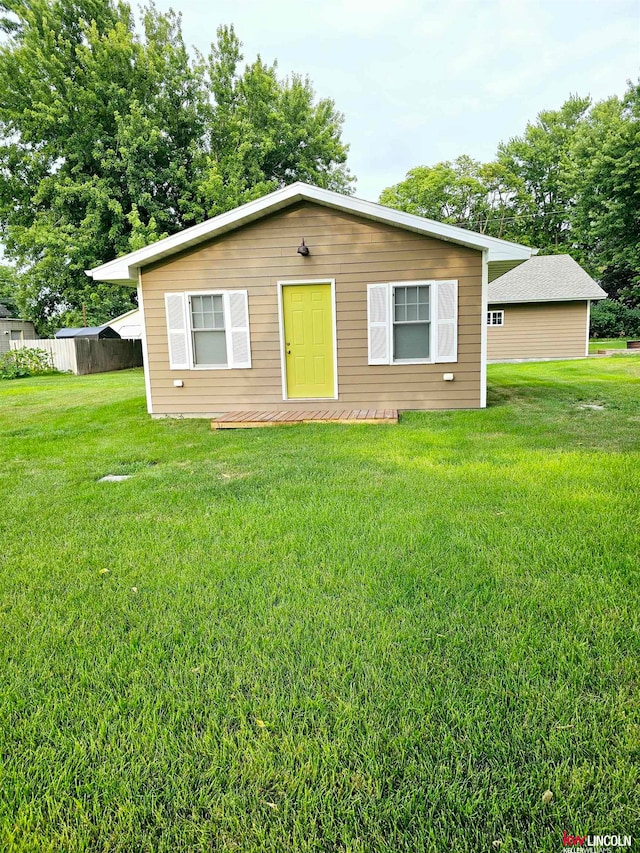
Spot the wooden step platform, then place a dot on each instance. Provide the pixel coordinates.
(249, 420)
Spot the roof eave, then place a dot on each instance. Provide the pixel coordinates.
(526, 300)
(125, 270)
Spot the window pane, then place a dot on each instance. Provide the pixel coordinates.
(423, 311)
(412, 310)
(209, 348)
(400, 295)
(207, 312)
(412, 295)
(411, 341)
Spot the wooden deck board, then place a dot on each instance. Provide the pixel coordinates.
(252, 419)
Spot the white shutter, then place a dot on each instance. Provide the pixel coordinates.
(177, 330)
(379, 332)
(447, 321)
(237, 322)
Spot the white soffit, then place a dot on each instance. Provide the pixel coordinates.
(124, 270)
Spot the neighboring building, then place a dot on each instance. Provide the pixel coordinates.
(540, 309)
(310, 299)
(129, 325)
(90, 333)
(13, 329)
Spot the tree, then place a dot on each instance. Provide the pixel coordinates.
(9, 289)
(607, 215)
(542, 161)
(113, 138)
(98, 128)
(265, 133)
(453, 192)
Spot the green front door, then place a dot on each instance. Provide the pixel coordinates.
(308, 340)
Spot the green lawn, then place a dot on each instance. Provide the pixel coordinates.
(321, 638)
(596, 344)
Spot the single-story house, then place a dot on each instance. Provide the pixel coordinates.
(129, 325)
(14, 329)
(540, 309)
(89, 333)
(306, 298)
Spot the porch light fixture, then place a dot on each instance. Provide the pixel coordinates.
(302, 249)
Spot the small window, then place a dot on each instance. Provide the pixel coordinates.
(495, 318)
(17, 334)
(411, 323)
(208, 332)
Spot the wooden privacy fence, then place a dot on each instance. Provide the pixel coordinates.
(82, 356)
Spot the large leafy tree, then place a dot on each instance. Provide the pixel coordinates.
(541, 159)
(607, 214)
(484, 197)
(452, 191)
(569, 183)
(113, 137)
(265, 133)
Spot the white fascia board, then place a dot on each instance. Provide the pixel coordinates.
(541, 300)
(124, 270)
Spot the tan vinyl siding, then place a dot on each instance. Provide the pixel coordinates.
(498, 268)
(538, 330)
(355, 252)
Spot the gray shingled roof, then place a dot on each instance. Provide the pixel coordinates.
(546, 278)
(104, 331)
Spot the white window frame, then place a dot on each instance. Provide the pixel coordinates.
(227, 337)
(283, 360)
(392, 318)
(492, 315)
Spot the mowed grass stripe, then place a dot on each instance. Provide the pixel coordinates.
(340, 638)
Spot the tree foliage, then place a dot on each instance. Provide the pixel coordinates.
(613, 319)
(453, 192)
(542, 161)
(607, 215)
(114, 137)
(9, 289)
(569, 183)
(264, 133)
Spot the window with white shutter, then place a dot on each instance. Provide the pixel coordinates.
(413, 322)
(208, 330)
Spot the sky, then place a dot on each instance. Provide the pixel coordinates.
(421, 81)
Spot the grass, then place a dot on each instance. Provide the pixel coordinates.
(320, 638)
(596, 344)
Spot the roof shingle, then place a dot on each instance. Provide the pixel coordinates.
(545, 278)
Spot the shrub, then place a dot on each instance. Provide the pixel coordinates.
(611, 319)
(19, 363)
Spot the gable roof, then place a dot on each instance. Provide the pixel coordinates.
(104, 331)
(124, 316)
(124, 270)
(546, 278)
